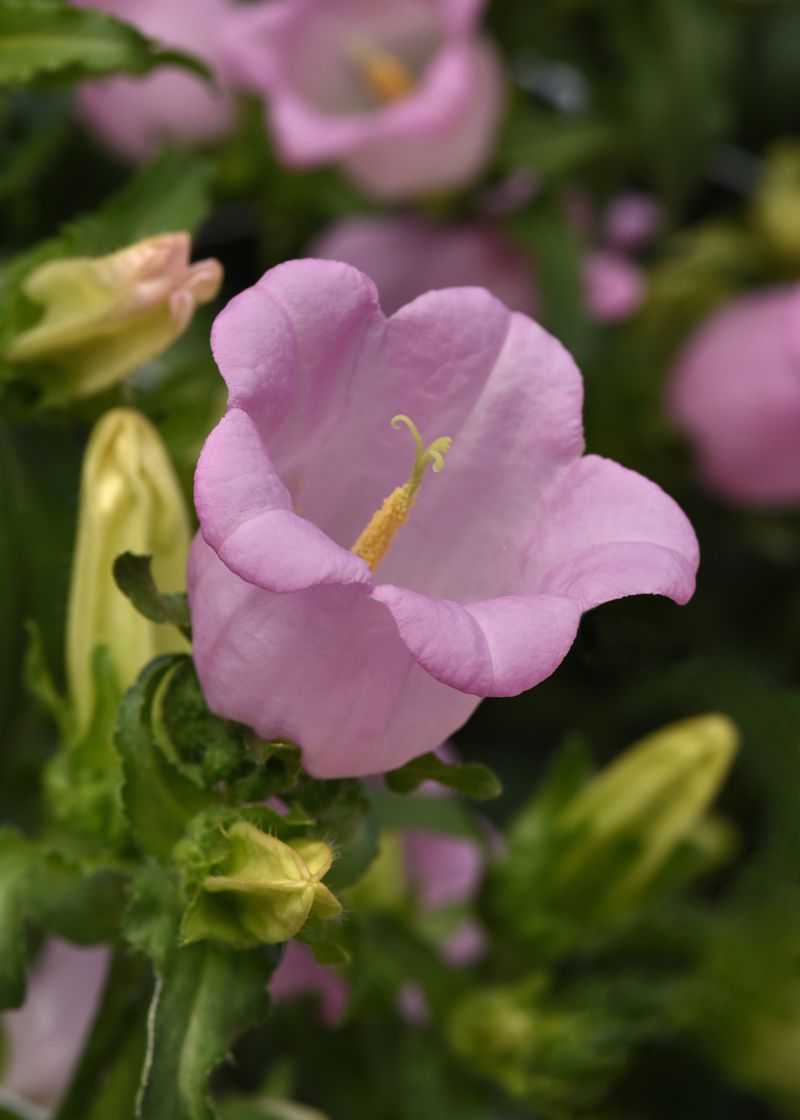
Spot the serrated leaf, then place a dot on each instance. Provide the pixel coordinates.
(206, 996)
(472, 779)
(18, 859)
(134, 578)
(46, 39)
(151, 920)
(158, 801)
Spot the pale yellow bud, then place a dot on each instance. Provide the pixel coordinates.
(652, 797)
(105, 316)
(777, 203)
(273, 887)
(130, 500)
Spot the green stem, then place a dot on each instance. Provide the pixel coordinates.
(106, 1080)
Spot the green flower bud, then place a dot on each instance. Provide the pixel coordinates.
(587, 849)
(552, 1051)
(105, 316)
(644, 805)
(130, 500)
(264, 890)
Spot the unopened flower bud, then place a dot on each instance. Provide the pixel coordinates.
(554, 1050)
(130, 500)
(777, 203)
(269, 889)
(628, 821)
(105, 316)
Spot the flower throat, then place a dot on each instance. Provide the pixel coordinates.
(375, 541)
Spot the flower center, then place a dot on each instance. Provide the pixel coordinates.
(385, 75)
(375, 541)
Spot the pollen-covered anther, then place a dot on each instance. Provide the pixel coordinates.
(376, 539)
(385, 75)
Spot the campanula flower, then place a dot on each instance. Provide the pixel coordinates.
(357, 585)
(407, 256)
(135, 116)
(735, 392)
(405, 95)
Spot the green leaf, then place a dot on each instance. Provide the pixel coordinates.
(472, 779)
(152, 918)
(158, 801)
(134, 578)
(18, 859)
(206, 996)
(438, 814)
(46, 39)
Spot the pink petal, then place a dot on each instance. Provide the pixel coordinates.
(300, 975)
(444, 136)
(323, 667)
(607, 532)
(246, 516)
(496, 648)
(409, 256)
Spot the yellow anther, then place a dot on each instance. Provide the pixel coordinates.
(385, 75)
(375, 541)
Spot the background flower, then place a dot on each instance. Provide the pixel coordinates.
(407, 256)
(136, 116)
(402, 93)
(735, 392)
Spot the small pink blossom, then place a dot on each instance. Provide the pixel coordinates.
(613, 285)
(480, 593)
(408, 256)
(299, 975)
(735, 392)
(136, 115)
(46, 1034)
(404, 94)
(632, 220)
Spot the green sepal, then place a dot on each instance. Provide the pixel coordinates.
(45, 40)
(83, 779)
(157, 800)
(134, 578)
(472, 779)
(206, 996)
(200, 853)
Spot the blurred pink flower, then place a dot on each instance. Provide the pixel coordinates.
(735, 392)
(404, 94)
(482, 590)
(408, 256)
(46, 1034)
(632, 220)
(299, 975)
(613, 285)
(136, 115)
